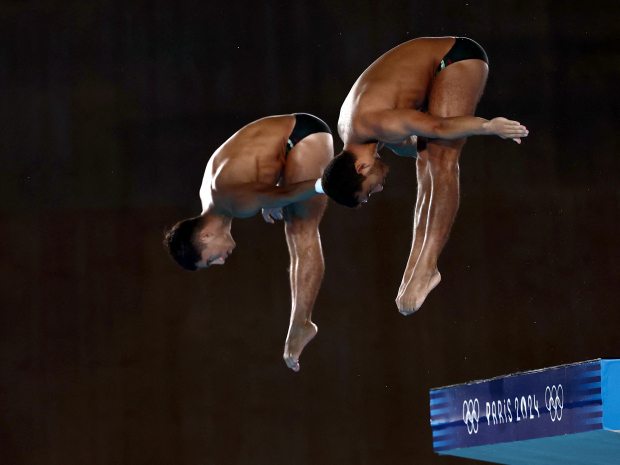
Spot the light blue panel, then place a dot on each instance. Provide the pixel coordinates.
(592, 448)
(439, 400)
(446, 442)
(585, 387)
(610, 389)
(441, 432)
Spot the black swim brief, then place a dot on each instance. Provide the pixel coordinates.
(304, 126)
(463, 49)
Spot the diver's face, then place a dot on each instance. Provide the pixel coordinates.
(374, 182)
(218, 248)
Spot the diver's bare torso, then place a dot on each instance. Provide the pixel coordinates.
(400, 78)
(255, 153)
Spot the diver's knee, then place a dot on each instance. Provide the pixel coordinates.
(297, 225)
(444, 159)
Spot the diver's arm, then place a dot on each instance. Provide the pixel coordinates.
(249, 198)
(394, 126)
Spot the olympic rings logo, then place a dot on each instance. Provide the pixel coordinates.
(471, 415)
(554, 401)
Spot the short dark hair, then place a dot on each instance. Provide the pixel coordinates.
(341, 181)
(180, 242)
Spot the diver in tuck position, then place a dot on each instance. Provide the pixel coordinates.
(271, 164)
(426, 87)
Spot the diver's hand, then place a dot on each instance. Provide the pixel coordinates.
(506, 129)
(271, 214)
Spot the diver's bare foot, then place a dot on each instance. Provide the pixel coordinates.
(297, 338)
(413, 295)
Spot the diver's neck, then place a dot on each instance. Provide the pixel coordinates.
(219, 219)
(365, 151)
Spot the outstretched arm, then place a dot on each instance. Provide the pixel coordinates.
(394, 126)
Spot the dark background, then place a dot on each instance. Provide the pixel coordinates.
(109, 110)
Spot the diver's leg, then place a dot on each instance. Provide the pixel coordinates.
(306, 160)
(456, 92)
(420, 215)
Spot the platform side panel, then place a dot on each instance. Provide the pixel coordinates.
(558, 401)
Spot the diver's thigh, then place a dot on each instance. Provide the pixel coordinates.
(458, 88)
(307, 160)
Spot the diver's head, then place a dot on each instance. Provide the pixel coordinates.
(350, 181)
(199, 243)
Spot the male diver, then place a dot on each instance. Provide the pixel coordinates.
(426, 87)
(271, 164)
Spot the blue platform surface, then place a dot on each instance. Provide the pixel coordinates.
(567, 414)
